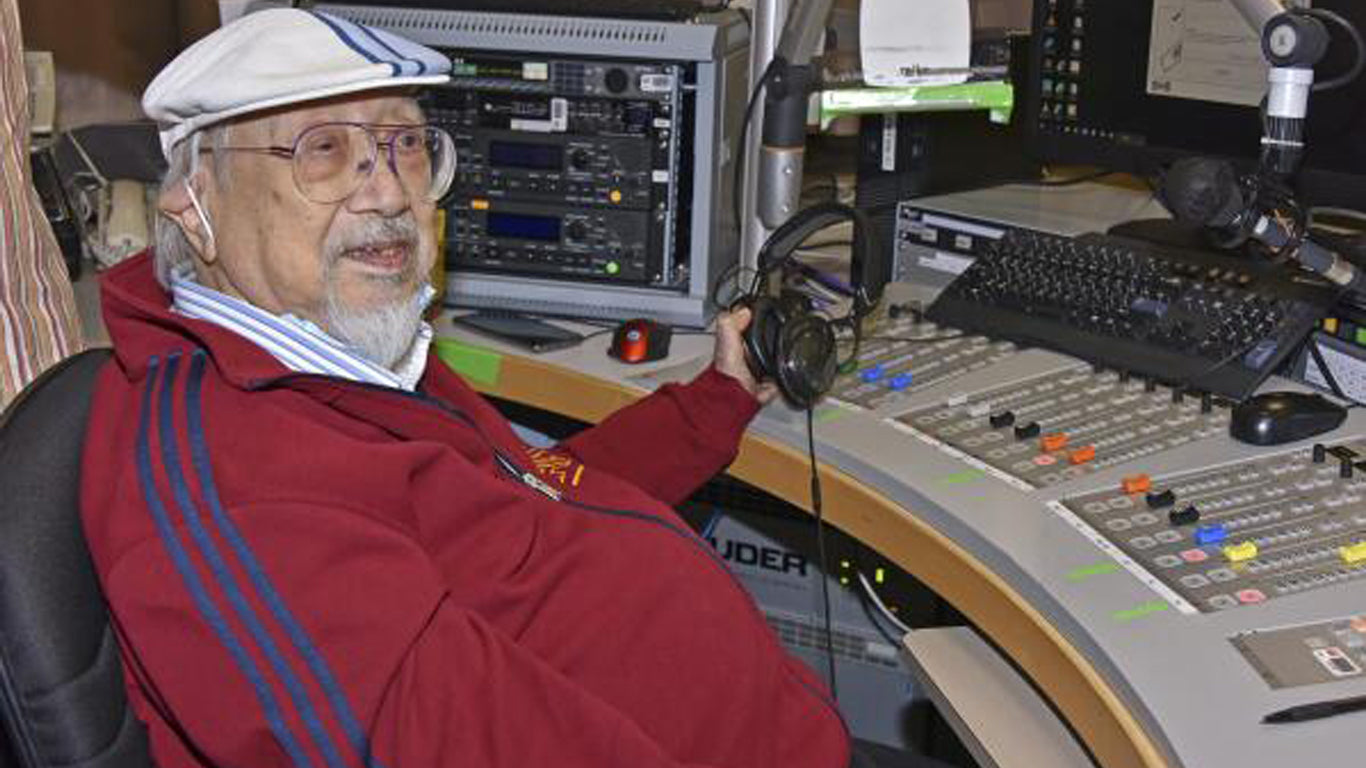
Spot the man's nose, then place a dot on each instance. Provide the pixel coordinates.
(383, 191)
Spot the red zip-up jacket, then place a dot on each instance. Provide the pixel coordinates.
(305, 571)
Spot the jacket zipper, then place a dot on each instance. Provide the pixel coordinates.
(526, 477)
(530, 480)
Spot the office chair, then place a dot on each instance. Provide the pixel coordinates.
(62, 701)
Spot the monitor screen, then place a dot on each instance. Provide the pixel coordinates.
(1130, 85)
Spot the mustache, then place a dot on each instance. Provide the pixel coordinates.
(373, 232)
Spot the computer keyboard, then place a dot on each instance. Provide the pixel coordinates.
(1208, 321)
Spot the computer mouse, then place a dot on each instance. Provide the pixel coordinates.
(640, 341)
(1272, 418)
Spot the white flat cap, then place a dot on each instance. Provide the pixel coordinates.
(276, 57)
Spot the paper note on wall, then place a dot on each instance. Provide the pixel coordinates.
(915, 42)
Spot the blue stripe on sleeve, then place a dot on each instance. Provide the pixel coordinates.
(189, 512)
(185, 568)
(303, 645)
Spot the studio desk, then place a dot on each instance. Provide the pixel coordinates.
(1133, 648)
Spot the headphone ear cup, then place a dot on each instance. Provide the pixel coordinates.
(761, 336)
(806, 360)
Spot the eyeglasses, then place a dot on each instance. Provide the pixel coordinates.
(333, 160)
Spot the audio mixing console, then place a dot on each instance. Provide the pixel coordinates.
(1306, 654)
(899, 361)
(1239, 534)
(1060, 426)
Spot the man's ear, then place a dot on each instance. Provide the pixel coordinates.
(176, 204)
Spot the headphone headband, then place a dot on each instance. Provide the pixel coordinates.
(867, 273)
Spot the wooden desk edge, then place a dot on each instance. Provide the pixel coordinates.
(1087, 702)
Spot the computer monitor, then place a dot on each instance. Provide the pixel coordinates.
(1131, 85)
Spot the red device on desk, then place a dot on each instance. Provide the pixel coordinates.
(640, 341)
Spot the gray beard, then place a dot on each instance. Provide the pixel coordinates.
(384, 333)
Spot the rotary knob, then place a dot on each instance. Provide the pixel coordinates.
(580, 159)
(616, 80)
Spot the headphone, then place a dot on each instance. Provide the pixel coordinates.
(788, 340)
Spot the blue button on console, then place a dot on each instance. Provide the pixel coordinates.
(1212, 533)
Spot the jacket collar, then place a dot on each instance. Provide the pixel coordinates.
(137, 312)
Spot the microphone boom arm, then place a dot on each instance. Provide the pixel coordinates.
(1258, 13)
(789, 81)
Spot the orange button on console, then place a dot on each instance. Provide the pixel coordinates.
(1054, 441)
(1082, 455)
(1136, 484)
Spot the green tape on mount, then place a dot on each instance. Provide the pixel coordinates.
(966, 476)
(477, 364)
(1099, 569)
(1147, 609)
(994, 96)
(829, 413)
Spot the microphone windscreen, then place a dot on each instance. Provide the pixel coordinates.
(1202, 190)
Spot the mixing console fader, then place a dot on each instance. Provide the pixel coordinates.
(1061, 426)
(1239, 534)
(908, 355)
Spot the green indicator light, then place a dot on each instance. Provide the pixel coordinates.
(612, 268)
(844, 564)
(829, 413)
(880, 575)
(1361, 336)
(1082, 574)
(967, 476)
(844, 580)
(1147, 609)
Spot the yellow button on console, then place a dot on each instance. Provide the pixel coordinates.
(1353, 553)
(1236, 553)
(614, 195)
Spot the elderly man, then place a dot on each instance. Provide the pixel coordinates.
(321, 548)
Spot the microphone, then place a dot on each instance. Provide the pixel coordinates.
(1293, 43)
(789, 79)
(1207, 192)
(783, 152)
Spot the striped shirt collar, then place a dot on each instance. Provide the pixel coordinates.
(299, 345)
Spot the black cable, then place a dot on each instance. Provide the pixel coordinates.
(1357, 66)
(737, 181)
(745, 15)
(1223, 361)
(1327, 372)
(820, 549)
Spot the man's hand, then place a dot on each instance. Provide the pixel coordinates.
(729, 357)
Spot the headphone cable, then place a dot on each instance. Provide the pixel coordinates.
(820, 550)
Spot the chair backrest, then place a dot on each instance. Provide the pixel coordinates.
(62, 701)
